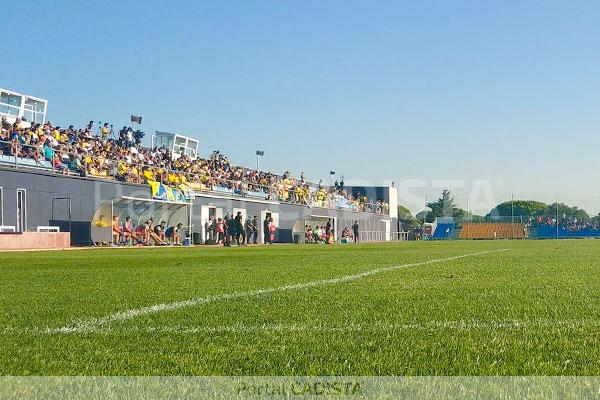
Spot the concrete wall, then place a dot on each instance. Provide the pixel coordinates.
(34, 240)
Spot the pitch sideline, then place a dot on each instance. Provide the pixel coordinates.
(458, 325)
(93, 324)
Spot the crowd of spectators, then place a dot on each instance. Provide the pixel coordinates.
(122, 156)
(568, 223)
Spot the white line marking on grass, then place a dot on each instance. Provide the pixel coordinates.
(511, 324)
(375, 326)
(93, 324)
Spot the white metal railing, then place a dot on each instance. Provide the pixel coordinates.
(371, 236)
(381, 236)
(399, 236)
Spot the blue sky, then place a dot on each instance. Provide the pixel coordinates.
(425, 94)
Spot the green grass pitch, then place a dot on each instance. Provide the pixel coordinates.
(531, 309)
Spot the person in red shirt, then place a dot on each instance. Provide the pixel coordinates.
(143, 233)
(272, 230)
(128, 232)
(117, 232)
(220, 231)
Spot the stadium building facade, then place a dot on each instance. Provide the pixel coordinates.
(33, 196)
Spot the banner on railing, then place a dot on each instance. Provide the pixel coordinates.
(187, 191)
(164, 192)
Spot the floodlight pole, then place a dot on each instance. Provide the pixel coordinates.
(469, 216)
(258, 155)
(512, 215)
(557, 216)
(425, 211)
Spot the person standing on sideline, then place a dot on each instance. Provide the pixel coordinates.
(227, 225)
(328, 227)
(272, 229)
(355, 231)
(208, 231)
(266, 230)
(240, 236)
(255, 224)
(220, 227)
(249, 230)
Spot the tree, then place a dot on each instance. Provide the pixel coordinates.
(406, 218)
(530, 208)
(470, 217)
(443, 207)
(519, 208)
(569, 212)
(421, 216)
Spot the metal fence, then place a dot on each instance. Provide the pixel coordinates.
(382, 236)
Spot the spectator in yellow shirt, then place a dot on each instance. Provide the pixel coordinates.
(105, 131)
(149, 175)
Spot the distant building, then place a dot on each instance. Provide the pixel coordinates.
(178, 144)
(15, 105)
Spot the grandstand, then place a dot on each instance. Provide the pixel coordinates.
(443, 228)
(530, 227)
(79, 179)
(498, 230)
